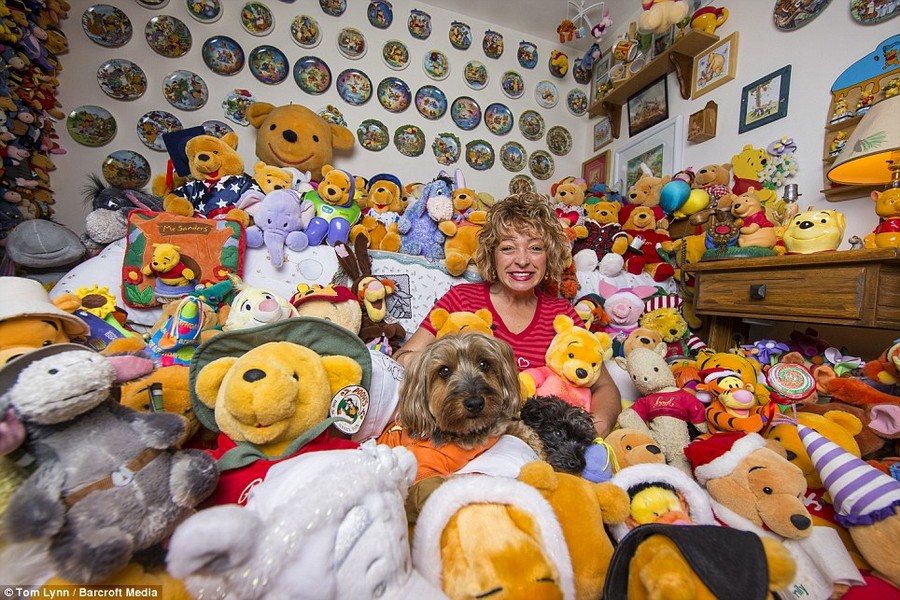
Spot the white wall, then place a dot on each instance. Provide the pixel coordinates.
(817, 52)
(78, 86)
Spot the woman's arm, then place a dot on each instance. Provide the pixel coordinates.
(417, 342)
(607, 403)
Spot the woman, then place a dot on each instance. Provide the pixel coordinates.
(521, 246)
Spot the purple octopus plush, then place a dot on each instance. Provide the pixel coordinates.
(418, 225)
(279, 220)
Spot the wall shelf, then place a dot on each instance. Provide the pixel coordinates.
(679, 57)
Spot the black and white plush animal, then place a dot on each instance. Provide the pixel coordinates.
(110, 205)
(109, 480)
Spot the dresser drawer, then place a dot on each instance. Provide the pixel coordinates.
(832, 293)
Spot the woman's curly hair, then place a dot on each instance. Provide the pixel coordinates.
(525, 212)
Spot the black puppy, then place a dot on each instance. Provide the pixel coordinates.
(565, 430)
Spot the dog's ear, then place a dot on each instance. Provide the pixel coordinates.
(412, 409)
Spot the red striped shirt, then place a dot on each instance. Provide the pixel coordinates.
(530, 345)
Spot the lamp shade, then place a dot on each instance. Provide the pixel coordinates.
(866, 158)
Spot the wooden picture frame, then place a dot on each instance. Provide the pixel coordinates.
(602, 132)
(662, 41)
(765, 100)
(715, 65)
(596, 170)
(660, 147)
(600, 73)
(648, 107)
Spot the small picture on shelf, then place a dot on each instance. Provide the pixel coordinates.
(661, 41)
(600, 76)
(765, 100)
(595, 171)
(715, 66)
(648, 107)
(602, 132)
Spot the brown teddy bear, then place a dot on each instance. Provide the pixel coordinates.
(645, 191)
(336, 209)
(384, 205)
(294, 136)
(633, 447)
(217, 180)
(649, 225)
(713, 179)
(462, 229)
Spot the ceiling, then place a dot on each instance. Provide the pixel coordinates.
(538, 18)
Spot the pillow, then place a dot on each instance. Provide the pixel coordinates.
(208, 249)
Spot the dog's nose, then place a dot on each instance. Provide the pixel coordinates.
(254, 375)
(801, 522)
(474, 405)
(805, 225)
(581, 373)
(573, 465)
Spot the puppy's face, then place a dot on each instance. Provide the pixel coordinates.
(459, 389)
(565, 430)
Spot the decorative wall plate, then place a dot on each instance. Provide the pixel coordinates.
(185, 90)
(436, 64)
(581, 75)
(559, 140)
(466, 113)
(498, 118)
(512, 84)
(409, 140)
(479, 155)
(352, 43)
(168, 36)
(577, 102)
(460, 35)
(861, 11)
(205, 11)
(419, 24)
(334, 8)
(235, 105)
(305, 31)
(475, 74)
(106, 25)
(541, 164)
(257, 19)
(152, 4)
(91, 125)
(312, 75)
(531, 124)
(492, 44)
(268, 64)
(380, 14)
(558, 63)
(431, 102)
(121, 79)
(393, 94)
(331, 114)
(354, 86)
(513, 156)
(126, 169)
(223, 55)
(395, 54)
(216, 128)
(794, 15)
(527, 55)
(373, 135)
(153, 125)
(546, 94)
(446, 148)
(520, 184)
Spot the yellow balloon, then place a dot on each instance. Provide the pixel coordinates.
(697, 201)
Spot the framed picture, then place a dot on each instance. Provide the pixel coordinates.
(600, 74)
(596, 170)
(765, 100)
(648, 107)
(659, 148)
(602, 132)
(661, 41)
(715, 65)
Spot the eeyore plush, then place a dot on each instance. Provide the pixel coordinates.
(108, 219)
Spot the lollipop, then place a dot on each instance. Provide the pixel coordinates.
(790, 383)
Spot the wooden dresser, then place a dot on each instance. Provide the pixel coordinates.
(855, 288)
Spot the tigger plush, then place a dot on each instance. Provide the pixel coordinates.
(732, 406)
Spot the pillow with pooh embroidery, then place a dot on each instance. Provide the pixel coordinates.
(169, 255)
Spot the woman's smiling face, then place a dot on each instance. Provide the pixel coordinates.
(521, 260)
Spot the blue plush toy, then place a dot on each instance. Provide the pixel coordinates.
(418, 226)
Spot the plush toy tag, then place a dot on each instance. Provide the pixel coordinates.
(351, 403)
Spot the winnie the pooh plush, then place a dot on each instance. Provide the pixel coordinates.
(663, 314)
(217, 180)
(267, 390)
(645, 191)
(166, 265)
(756, 228)
(643, 228)
(384, 205)
(462, 229)
(336, 209)
(29, 320)
(887, 233)
(292, 135)
(574, 362)
(447, 323)
(746, 167)
(633, 447)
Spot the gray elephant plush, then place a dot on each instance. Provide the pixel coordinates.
(279, 220)
(109, 481)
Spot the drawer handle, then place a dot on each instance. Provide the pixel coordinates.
(758, 292)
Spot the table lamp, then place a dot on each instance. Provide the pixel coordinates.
(872, 154)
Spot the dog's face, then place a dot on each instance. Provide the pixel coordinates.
(461, 389)
(566, 431)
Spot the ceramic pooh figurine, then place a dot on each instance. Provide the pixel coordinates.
(813, 231)
(887, 207)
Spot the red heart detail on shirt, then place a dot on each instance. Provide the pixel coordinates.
(523, 364)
